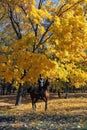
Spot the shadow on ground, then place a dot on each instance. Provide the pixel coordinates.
(43, 121)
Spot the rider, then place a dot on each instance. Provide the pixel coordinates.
(40, 83)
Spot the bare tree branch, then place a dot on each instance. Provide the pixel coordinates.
(39, 7)
(2, 16)
(70, 7)
(13, 22)
(41, 40)
(61, 9)
(47, 38)
(29, 18)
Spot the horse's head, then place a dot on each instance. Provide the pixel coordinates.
(47, 84)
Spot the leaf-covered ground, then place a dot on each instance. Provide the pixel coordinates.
(62, 114)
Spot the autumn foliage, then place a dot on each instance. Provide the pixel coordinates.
(46, 37)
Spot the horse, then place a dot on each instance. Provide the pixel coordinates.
(36, 95)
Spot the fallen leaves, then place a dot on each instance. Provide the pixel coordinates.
(62, 114)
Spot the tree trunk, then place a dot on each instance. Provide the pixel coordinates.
(20, 91)
(66, 96)
(19, 96)
(3, 90)
(59, 95)
(67, 91)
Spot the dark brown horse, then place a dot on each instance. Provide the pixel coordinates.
(35, 95)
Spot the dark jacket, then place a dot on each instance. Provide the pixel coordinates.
(41, 83)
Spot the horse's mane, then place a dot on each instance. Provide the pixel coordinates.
(46, 85)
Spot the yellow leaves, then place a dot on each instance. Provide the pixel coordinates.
(85, 0)
(69, 14)
(47, 15)
(17, 9)
(77, 76)
(73, 1)
(27, 16)
(79, 10)
(5, 48)
(26, 1)
(26, 43)
(42, 30)
(44, 14)
(57, 42)
(78, 21)
(36, 21)
(85, 46)
(34, 67)
(66, 53)
(39, 15)
(3, 58)
(71, 36)
(67, 44)
(68, 37)
(57, 21)
(34, 14)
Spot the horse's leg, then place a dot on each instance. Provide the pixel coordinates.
(45, 100)
(46, 105)
(33, 104)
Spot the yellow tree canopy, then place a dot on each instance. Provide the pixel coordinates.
(52, 39)
(13, 65)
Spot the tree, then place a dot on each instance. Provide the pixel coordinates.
(54, 33)
(16, 68)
